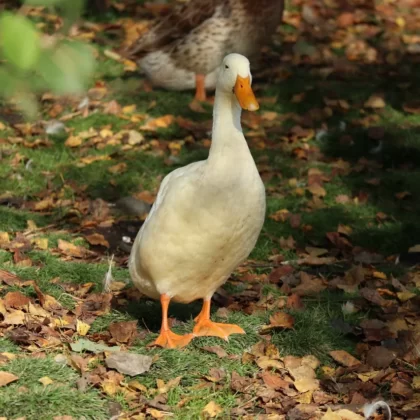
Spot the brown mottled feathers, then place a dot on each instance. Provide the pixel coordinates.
(179, 23)
(263, 15)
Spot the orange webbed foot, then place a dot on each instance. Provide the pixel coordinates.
(170, 340)
(208, 328)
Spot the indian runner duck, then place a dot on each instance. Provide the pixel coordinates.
(184, 49)
(207, 216)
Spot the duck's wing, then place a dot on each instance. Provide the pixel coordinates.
(178, 24)
(169, 181)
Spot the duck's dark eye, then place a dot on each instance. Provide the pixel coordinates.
(226, 66)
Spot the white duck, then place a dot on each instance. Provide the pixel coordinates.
(207, 215)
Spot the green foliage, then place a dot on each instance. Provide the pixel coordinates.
(31, 66)
(20, 41)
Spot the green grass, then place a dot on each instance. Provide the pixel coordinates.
(28, 397)
(56, 171)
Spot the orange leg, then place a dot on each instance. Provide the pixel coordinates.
(167, 338)
(206, 327)
(200, 89)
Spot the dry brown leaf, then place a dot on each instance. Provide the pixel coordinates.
(344, 358)
(16, 317)
(118, 168)
(375, 101)
(219, 351)
(124, 331)
(97, 239)
(164, 388)
(16, 300)
(274, 381)
(6, 378)
(48, 302)
(10, 279)
(71, 250)
(279, 320)
(309, 286)
(306, 384)
(317, 190)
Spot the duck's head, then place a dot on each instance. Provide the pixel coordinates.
(235, 77)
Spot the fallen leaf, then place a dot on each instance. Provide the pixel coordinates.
(348, 415)
(279, 320)
(67, 248)
(82, 328)
(16, 300)
(212, 410)
(129, 363)
(87, 345)
(344, 358)
(123, 331)
(160, 122)
(6, 378)
(73, 141)
(97, 239)
(330, 415)
(380, 357)
(274, 381)
(306, 384)
(163, 387)
(45, 380)
(317, 190)
(375, 101)
(219, 351)
(118, 168)
(4, 238)
(15, 318)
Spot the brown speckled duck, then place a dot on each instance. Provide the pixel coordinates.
(184, 50)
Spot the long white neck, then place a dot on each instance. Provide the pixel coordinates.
(228, 140)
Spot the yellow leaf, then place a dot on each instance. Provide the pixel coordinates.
(82, 328)
(416, 383)
(379, 275)
(45, 380)
(110, 388)
(305, 398)
(404, 296)
(4, 238)
(105, 132)
(31, 225)
(73, 141)
(400, 21)
(367, 376)
(41, 243)
(212, 410)
(128, 109)
(161, 122)
(2, 126)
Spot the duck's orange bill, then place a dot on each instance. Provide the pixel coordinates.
(244, 94)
